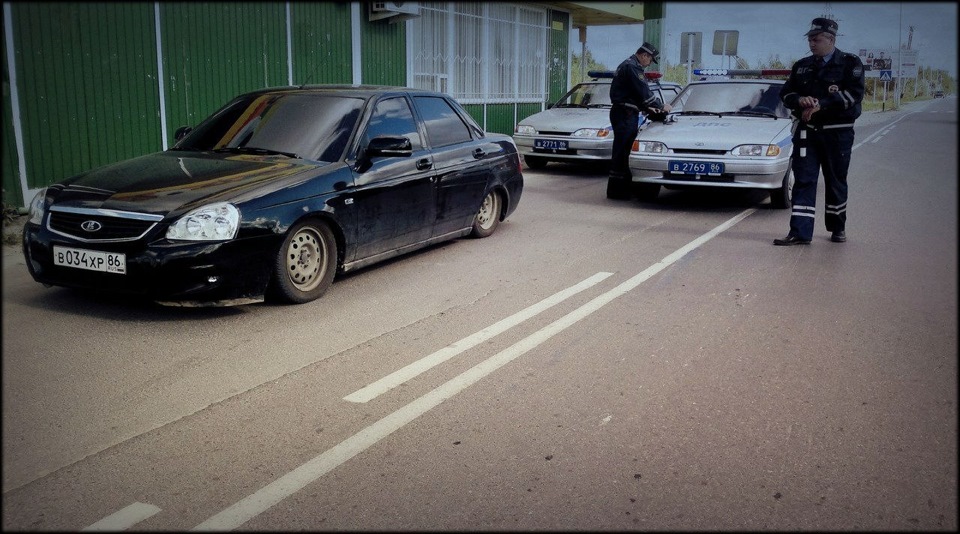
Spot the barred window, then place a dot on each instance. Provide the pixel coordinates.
(481, 52)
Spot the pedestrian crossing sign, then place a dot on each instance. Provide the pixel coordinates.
(886, 76)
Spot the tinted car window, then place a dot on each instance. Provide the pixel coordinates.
(392, 117)
(444, 125)
(311, 126)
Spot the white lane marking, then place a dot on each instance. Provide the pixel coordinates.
(123, 519)
(271, 494)
(400, 376)
(879, 133)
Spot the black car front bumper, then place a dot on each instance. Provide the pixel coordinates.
(176, 273)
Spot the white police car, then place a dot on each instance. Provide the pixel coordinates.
(723, 132)
(577, 127)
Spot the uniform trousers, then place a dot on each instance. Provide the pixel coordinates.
(826, 149)
(625, 121)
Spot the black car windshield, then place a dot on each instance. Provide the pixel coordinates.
(586, 95)
(732, 98)
(309, 126)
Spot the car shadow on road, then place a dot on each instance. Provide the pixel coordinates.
(89, 303)
(576, 169)
(707, 199)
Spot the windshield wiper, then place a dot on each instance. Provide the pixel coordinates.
(599, 105)
(701, 113)
(256, 150)
(753, 113)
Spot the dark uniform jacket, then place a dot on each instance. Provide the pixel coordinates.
(838, 86)
(629, 86)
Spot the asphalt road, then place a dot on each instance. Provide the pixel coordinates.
(594, 365)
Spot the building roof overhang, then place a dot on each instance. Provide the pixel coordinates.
(584, 14)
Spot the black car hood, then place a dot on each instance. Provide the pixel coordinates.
(164, 182)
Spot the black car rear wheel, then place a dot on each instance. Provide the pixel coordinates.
(306, 263)
(488, 216)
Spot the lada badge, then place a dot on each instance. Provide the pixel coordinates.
(91, 226)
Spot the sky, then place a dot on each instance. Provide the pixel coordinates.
(777, 29)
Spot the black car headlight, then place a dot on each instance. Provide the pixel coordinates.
(215, 222)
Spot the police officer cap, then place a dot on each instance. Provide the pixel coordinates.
(648, 48)
(821, 25)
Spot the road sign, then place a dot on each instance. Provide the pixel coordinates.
(725, 42)
(690, 52)
(886, 75)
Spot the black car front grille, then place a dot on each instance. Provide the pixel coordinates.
(700, 152)
(101, 225)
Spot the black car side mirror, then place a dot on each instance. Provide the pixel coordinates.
(384, 146)
(182, 132)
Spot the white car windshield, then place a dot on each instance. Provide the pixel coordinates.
(586, 95)
(719, 98)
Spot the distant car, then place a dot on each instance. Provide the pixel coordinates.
(577, 126)
(938, 94)
(721, 133)
(274, 194)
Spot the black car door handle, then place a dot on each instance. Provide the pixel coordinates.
(424, 164)
(479, 153)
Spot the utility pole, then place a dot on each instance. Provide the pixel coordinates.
(916, 81)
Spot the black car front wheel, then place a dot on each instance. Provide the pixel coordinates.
(618, 189)
(782, 197)
(646, 192)
(306, 263)
(535, 162)
(488, 216)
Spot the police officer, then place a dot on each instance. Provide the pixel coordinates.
(824, 91)
(630, 95)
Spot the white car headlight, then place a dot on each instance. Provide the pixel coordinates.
(37, 206)
(591, 132)
(756, 150)
(526, 129)
(650, 147)
(216, 222)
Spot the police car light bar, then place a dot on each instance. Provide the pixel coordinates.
(741, 72)
(609, 74)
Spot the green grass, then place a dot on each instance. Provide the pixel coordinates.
(869, 105)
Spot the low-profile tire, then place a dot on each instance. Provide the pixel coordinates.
(487, 219)
(618, 189)
(306, 263)
(535, 162)
(782, 197)
(646, 192)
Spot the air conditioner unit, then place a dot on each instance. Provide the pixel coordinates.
(400, 9)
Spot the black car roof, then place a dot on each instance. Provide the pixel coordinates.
(362, 91)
